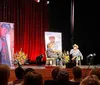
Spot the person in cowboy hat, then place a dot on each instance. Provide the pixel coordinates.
(76, 55)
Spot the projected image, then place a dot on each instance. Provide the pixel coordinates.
(53, 44)
(6, 43)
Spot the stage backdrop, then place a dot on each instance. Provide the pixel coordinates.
(53, 44)
(30, 22)
(6, 42)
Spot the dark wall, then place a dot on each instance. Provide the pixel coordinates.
(85, 29)
(59, 20)
(85, 33)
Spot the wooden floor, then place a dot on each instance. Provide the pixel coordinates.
(46, 70)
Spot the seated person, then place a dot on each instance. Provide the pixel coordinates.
(54, 74)
(63, 78)
(76, 55)
(90, 80)
(77, 74)
(4, 74)
(33, 78)
(96, 72)
(19, 73)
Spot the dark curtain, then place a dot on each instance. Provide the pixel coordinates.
(30, 22)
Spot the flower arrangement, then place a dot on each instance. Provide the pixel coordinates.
(67, 59)
(20, 58)
(66, 56)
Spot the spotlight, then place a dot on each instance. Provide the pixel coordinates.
(37, 1)
(48, 2)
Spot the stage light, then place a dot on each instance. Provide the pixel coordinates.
(48, 2)
(37, 1)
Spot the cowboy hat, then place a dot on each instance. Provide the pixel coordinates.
(75, 45)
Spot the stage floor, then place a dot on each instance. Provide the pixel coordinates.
(46, 66)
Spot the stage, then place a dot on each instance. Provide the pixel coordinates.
(46, 70)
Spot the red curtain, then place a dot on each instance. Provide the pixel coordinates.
(30, 22)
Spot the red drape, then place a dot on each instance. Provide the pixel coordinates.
(30, 22)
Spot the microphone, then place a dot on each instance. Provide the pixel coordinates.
(91, 55)
(94, 54)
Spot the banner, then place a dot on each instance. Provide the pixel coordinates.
(6, 43)
(53, 44)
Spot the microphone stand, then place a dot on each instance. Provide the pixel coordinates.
(89, 64)
(87, 69)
